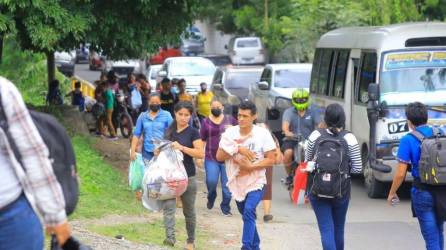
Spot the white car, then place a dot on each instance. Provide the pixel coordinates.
(152, 75)
(272, 94)
(124, 67)
(65, 62)
(246, 50)
(194, 70)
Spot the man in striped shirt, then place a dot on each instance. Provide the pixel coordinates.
(28, 189)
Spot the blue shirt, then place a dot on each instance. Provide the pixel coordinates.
(152, 128)
(409, 150)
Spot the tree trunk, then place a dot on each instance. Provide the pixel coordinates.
(51, 68)
(1, 48)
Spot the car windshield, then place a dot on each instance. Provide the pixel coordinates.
(154, 73)
(220, 60)
(248, 43)
(192, 68)
(241, 80)
(292, 78)
(414, 76)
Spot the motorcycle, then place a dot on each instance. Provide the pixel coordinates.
(298, 158)
(121, 117)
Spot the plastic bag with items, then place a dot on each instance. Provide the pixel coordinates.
(136, 173)
(165, 176)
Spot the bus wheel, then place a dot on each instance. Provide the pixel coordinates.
(374, 187)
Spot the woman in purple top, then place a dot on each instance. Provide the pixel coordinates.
(211, 130)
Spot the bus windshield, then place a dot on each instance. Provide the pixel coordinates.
(414, 76)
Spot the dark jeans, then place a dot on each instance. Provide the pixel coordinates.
(247, 208)
(432, 230)
(214, 171)
(330, 215)
(20, 228)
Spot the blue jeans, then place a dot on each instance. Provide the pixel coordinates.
(247, 208)
(147, 155)
(20, 228)
(214, 170)
(330, 215)
(432, 230)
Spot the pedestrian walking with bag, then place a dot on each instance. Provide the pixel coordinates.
(424, 148)
(334, 153)
(187, 140)
(211, 130)
(247, 150)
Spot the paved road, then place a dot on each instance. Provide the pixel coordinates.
(371, 223)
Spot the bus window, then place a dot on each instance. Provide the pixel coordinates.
(367, 75)
(315, 71)
(324, 72)
(340, 72)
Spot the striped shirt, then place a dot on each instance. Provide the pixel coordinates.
(353, 150)
(38, 181)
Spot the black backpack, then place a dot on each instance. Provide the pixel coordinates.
(331, 176)
(60, 149)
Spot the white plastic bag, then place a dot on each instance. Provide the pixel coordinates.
(165, 177)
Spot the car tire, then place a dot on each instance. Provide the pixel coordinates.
(375, 188)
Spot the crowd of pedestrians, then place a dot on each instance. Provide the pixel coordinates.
(238, 153)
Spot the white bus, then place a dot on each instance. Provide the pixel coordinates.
(401, 63)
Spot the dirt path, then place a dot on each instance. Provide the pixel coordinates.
(224, 232)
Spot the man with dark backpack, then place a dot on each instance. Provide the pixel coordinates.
(425, 150)
(334, 153)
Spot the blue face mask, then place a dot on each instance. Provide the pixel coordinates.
(175, 90)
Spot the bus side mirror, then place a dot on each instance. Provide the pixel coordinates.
(373, 91)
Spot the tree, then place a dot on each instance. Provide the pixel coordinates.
(121, 29)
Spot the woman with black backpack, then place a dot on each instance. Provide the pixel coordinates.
(332, 154)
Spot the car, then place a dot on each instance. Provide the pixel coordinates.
(220, 61)
(272, 93)
(96, 61)
(82, 53)
(124, 67)
(192, 42)
(65, 62)
(230, 85)
(152, 75)
(194, 70)
(246, 50)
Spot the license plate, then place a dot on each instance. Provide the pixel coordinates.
(247, 59)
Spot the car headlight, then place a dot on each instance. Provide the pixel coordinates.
(282, 103)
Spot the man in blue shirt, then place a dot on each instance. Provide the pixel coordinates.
(423, 201)
(151, 125)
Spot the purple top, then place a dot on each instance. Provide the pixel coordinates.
(211, 134)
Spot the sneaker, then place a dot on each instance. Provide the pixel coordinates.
(115, 138)
(189, 246)
(169, 242)
(227, 214)
(268, 217)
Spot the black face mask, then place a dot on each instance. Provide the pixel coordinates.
(216, 112)
(154, 107)
(203, 90)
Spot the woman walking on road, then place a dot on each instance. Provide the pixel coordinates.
(211, 130)
(331, 212)
(186, 139)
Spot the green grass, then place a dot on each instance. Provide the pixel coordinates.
(151, 233)
(103, 190)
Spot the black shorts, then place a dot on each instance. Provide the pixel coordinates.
(288, 145)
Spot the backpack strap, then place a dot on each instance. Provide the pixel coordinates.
(5, 126)
(418, 135)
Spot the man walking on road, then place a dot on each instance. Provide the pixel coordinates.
(248, 150)
(428, 201)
